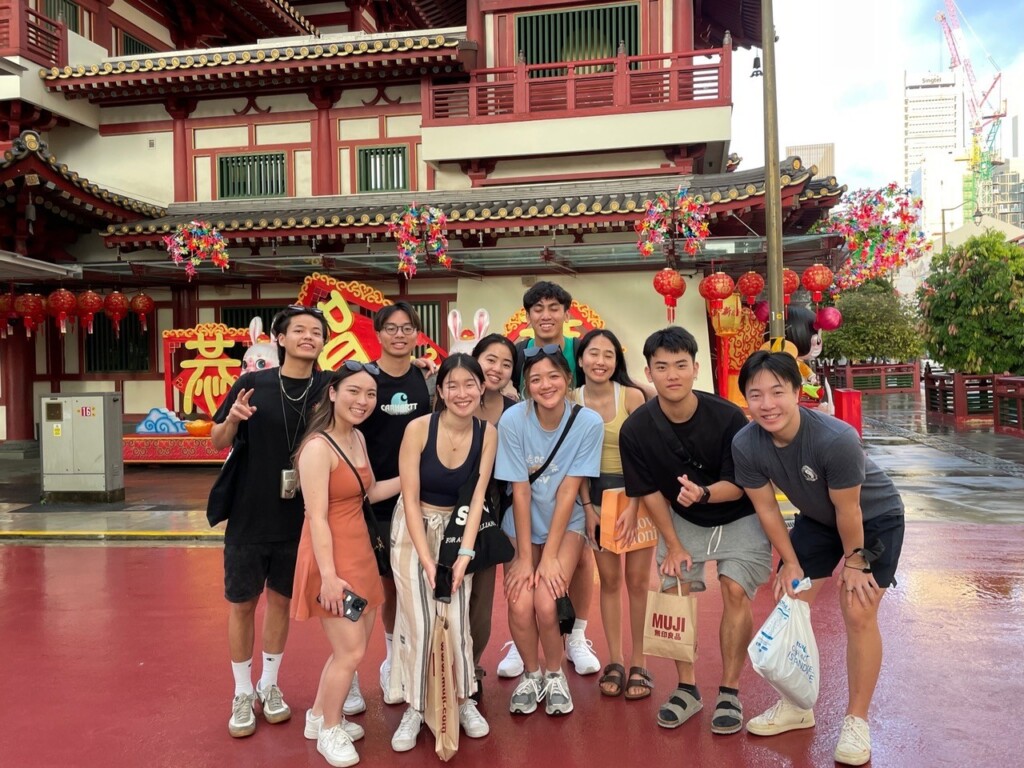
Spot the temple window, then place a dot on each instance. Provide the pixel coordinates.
(577, 35)
(127, 45)
(106, 353)
(382, 169)
(73, 16)
(254, 175)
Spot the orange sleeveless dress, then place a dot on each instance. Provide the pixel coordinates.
(353, 556)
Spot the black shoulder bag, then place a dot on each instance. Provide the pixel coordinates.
(670, 439)
(225, 487)
(507, 506)
(380, 551)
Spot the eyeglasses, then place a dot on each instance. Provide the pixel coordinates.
(547, 349)
(355, 366)
(302, 309)
(406, 330)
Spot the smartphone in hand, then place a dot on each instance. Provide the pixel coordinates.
(354, 605)
(443, 579)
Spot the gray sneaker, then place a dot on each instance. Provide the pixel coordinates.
(556, 692)
(274, 708)
(527, 694)
(243, 718)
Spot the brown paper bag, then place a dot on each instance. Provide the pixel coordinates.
(613, 502)
(442, 713)
(670, 625)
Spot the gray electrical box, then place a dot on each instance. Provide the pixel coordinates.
(80, 446)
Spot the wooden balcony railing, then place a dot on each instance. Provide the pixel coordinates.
(958, 398)
(27, 33)
(881, 378)
(1009, 405)
(583, 88)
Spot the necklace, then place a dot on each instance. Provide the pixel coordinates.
(300, 410)
(301, 398)
(448, 434)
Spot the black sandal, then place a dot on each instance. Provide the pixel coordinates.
(615, 675)
(639, 678)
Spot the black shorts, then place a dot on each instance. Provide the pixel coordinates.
(248, 567)
(819, 549)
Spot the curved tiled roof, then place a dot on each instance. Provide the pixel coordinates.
(495, 208)
(30, 143)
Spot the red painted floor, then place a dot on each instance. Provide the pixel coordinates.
(116, 656)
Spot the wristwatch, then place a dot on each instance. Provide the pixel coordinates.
(706, 496)
(467, 552)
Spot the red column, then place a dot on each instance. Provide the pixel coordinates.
(322, 155)
(17, 367)
(179, 109)
(475, 27)
(682, 25)
(184, 314)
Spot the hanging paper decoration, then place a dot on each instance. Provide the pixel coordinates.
(89, 303)
(115, 306)
(142, 305)
(420, 231)
(62, 306)
(828, 319)
(676, 216)
(717, 287)
(7, 314)
(817, 279)
(671, 286)
(790, 282)
(196, 242)
(750, 286)
(881, 231)
(29, 307)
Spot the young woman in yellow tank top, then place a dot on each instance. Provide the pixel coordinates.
(609, 391)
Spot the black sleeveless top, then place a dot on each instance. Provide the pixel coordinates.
(439, 486)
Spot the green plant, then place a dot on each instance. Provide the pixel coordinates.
(877, 325)
(972, 306)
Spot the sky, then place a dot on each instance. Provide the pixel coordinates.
(840, 67)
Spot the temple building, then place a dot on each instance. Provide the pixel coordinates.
(299, 130)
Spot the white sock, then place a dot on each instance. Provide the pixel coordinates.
(242, 670)
(271, 665)
(388, 638)
(580, 626)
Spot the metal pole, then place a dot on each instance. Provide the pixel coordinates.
(943, 229)
(772, 181)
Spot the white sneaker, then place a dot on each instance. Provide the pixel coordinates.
(336, 747)
(315, 724)
(472, 722)
(405, 737)
(581, 653)
(854, 747)
(243, 718)
(781, 717)
(354, 702)
(556, 692)
(527, 694)
(385, 684)
(512, 664)
(274, 708)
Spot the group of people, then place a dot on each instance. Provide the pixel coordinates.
(534, 432)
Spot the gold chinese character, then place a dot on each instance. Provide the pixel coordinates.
(211, 373)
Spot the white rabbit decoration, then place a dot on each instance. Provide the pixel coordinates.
(465, 339)
(260, 355)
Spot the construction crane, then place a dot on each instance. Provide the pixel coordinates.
(985, 116)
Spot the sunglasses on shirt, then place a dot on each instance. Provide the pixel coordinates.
(547, 349)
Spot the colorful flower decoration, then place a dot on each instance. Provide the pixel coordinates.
(421, 231)
(196, 242)
(881, 231)
(675, 216)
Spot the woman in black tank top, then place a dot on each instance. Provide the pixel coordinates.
(439, 454)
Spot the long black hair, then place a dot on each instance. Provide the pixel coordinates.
(458, 360)
(620, 375)
(321, 419)
(490, 340)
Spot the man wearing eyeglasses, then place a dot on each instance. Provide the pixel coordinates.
(264, 417)
(677, 456)
(402, 395)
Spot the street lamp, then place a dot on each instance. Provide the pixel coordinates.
(976, 217)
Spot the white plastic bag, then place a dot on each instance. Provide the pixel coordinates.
(784, 652)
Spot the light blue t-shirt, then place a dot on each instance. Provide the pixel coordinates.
(523, 445)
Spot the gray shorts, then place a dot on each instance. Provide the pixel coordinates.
(740, 548)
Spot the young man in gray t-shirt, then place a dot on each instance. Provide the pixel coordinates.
(850, 513)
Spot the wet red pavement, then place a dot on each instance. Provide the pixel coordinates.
(116, 655)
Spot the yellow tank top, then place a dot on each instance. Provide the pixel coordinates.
(611, 461)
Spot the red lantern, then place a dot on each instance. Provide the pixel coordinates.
(142, 305)
(7, 313)
(89, 303)
(750, 285)
(29, 306)
(718, 287)
(62, 305)
(671, 286)
(115, 305)
(828, 319)
(817, 279)
(790, 282)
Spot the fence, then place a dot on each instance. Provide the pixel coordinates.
(875, 379)
(958, 398)
(1008, 394)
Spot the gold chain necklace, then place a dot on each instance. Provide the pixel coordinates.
(448, 434)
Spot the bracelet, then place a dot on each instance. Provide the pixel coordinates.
(588, 503)
(467, 552)
(865, 569)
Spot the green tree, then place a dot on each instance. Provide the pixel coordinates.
(877, 325)
(972, 306)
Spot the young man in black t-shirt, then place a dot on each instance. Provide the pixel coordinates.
(402, 395)
(267, 411)
(677, 456)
